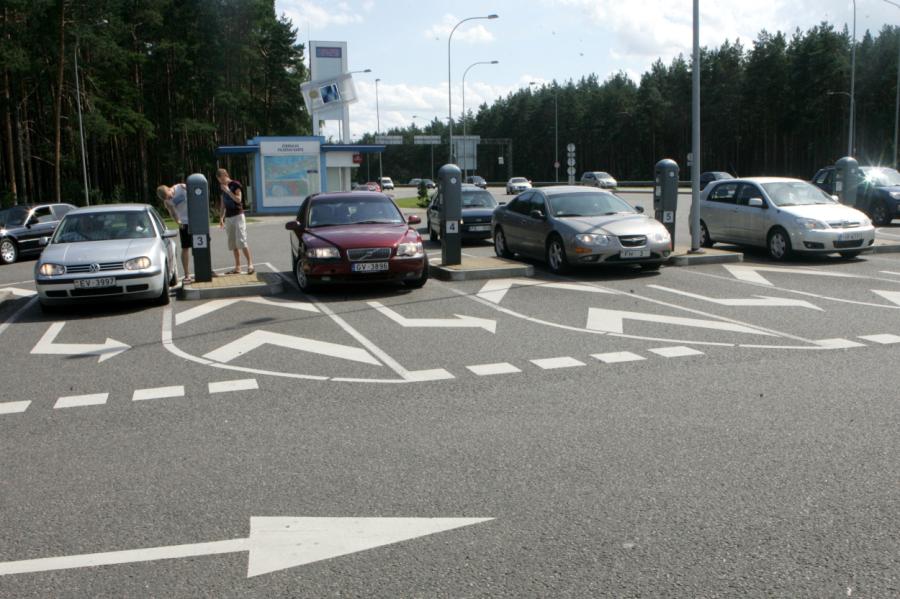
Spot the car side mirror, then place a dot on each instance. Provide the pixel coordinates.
(835, 198)
(755, 203)
(501, 203)
(536, 214)
(293, 225)
(413, 219)
(44, 241)
(639, 208)
(170, 233)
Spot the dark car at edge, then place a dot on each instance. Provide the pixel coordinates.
(22, 227)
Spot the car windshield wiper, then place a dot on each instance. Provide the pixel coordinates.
(377, 222)
(617, 212)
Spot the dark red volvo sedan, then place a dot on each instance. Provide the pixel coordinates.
(355, 236)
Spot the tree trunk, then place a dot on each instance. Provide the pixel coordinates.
(57, 158)
(10, 158)
(17, 119)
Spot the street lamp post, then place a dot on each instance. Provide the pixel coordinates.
(378, 130)
(850, 143)
(695, 141)
(465, 141)
(450, 84)
(897, 101)
(87, 197)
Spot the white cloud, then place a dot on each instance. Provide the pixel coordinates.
(368, 5)
(318, 15)
(468, 32)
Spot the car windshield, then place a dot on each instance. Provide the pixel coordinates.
(103, 226)
(518, 180)
(478, 199)
(587, 204)
(13, 217)
(328, 212)
(796, 193)
(882, 177)
(602, 175)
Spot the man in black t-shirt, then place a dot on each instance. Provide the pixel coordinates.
(231, 211)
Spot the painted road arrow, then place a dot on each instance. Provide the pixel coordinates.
(612, 321)
(891, 296)
(495, 290)
(461, 321)
(759, 300)
(214, 305)
(751, 274)
(105, 350)
(256, 339)
(274, 543)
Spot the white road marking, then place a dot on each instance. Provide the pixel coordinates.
(14, 407)
(495, 290)
(461, 321)
(214, 305)
(235, 385)
(745, 272)
(885, 339)
(759, 300)
(20, 292)
(612, 321)
(16, 283)
(619, 356)
(891, 296)
(491, 369)
(77, 401)
(561, 362)
(106, 350)
(256, 339)
(676, 352)
(889, 272)
(838, 343)
(17, 314)
(158, 393)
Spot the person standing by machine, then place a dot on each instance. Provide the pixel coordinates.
(231, 217)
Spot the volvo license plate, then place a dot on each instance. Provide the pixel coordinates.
(369, 266)
(94, 283)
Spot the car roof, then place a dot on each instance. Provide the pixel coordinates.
(337, 195)
(560, 189)
(762, 180)
(40, 205)
(110, 208)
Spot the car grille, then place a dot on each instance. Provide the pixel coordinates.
(844, 224)
(367, 254)
(632, 241)
(472, 220)
(854, 243)
(95, 291)
(79, 268)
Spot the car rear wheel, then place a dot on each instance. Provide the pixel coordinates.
(779, 244)
(500, 247)
(705, 240)
(556, 256)
(164, 298)
(880, 214)
(9, 252)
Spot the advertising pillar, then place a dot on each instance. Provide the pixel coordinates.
(451, 236)
(198, 224)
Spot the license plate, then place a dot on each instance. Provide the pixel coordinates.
(480, 228)
(849, 236)
(94, 283)
(369, 266)
(634, 254)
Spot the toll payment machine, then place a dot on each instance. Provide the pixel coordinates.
(665, 194)
(449, 178)
(198, 225)
(846, 180)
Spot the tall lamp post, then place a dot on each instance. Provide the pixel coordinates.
(465, 141)
(450, 83)
(87, 197)
(378, 130)
(555, 127)
(897, 101)
(695, 135)
(850, 143)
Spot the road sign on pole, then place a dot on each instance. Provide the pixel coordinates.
(570, 160)
(389, 140)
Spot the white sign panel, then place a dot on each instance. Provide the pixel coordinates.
(328, 93)
(452, 226)
(389, 140)
(200, 241)
(290, 170)
(427, 140)
(289, 148)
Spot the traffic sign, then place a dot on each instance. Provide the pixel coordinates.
(556, 164)
(389, 140)
(427, 140)
(571, 170)
(570, 162)
(570, 147)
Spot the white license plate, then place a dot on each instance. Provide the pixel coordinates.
(369, 266)
(634, 254)
(849, 236)
(94, 283)
(480, 228)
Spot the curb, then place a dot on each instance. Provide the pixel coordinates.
(884, 248)
(444, 273)
(706, 258)
(269, 284)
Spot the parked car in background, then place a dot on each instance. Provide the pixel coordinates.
(782, 215)
(710, 176)
(579, 226)
(23, 226)
(599, 179)
(373, 186)
(517, 185)
(477, 181)
(878, 192)
(477, 208)
(103, 252)
(386, 183)
(355, 236)
(429, 184)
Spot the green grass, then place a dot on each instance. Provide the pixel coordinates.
(410, 202)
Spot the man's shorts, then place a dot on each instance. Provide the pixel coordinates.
(236, 230)
(185, 236)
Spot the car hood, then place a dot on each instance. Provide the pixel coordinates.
(477, 212)
(826, 212)
(361, 236)
(615, 224)
(86, 252)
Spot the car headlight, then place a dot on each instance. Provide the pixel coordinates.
(410, 250)
(137, 263)
(323, 253)
(865, 222)
(52, 270)
(811, 223)
(895, 195)
(593, 239)
(661, 236)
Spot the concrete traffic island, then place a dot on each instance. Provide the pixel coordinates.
(240, 285)
(682, 256)
(481, 267)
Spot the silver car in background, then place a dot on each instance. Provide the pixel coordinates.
(517, 185)
(577, 225)
(599, 179)
(103, 252)
(782, 215)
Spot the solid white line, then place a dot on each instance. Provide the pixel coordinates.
(553, 363)
(838, 343)
(14, 407)
(490, 369)
(888, 272)
(679, 351)
(235, 385)
(77, 401)
(158, 393)
(885, 339)
(616, 357)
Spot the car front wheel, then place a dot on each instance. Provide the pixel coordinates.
(500, 247)
(303, 280)
(9, 252)
(556, 256)
(779, 244)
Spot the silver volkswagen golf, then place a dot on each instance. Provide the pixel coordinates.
(782, 215)
(579, 226)
(102, 252)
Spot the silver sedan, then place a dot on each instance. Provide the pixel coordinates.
(103, 252)
(576, 225)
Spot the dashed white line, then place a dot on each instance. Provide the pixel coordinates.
(553, 363)
(14, 407)
(619, 356)
(678, 351)
(77, 401)
(885, 339)
(235, 385)
(491, 369)
(158, 393)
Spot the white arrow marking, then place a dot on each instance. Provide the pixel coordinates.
(19, 292)
(751, 273)
(891, 296)
(106, 350)
(212, 306)
(495, 290)
(461, 321)
(274, 543)
(762, 300)
(256, 339)
(612, 321)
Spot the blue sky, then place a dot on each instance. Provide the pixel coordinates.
(405, 42)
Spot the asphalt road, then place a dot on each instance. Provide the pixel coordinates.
(711, 431)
